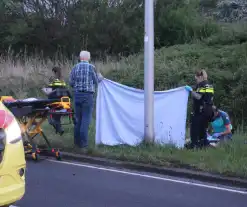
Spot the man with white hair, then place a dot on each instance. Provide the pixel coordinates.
(84, 81)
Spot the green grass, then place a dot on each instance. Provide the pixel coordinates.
(228, 159)
(223, 55)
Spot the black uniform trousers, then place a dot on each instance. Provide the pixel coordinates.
(198, 130)
(55, 121)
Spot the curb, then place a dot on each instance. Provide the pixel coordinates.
(174, 172)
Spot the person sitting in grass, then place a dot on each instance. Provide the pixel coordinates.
(221, 126)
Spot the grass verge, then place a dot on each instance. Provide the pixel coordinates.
(174, 67)
(223, 55)
(228, 160)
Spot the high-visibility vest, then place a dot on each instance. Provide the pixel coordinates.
(57, 84)
(206, 102)
(206, 89)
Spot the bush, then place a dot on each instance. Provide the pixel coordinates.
(228, 34)
(104, 28)
(175, 66)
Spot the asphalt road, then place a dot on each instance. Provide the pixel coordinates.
(54, 184)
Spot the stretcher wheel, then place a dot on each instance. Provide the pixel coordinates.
(58, 155)
(35, 156)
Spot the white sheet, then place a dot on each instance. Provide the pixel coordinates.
(120, 115)
(30, 99)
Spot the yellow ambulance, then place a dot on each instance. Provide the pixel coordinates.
(12, 159)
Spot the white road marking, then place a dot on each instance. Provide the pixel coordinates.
(154, 177)
(13, 206)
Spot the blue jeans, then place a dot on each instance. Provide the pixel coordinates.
(226, 137)
(83, 102)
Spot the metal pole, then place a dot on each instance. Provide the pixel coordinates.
(149, 72)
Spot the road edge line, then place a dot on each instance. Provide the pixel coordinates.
(174, 172)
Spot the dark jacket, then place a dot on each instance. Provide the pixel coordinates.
(59, 88)
(205, 103)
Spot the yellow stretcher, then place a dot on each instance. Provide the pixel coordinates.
(31, 114)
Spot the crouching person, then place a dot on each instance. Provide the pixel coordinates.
(221, 127)
(56, 89)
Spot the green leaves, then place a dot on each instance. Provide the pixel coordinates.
(104, 27)
(175, 66)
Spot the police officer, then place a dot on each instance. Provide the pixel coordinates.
(57, 88)
(202, 112)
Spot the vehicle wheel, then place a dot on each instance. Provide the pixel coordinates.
(58, 155)
(35, 156)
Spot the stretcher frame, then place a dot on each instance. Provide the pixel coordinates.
(31, 125)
